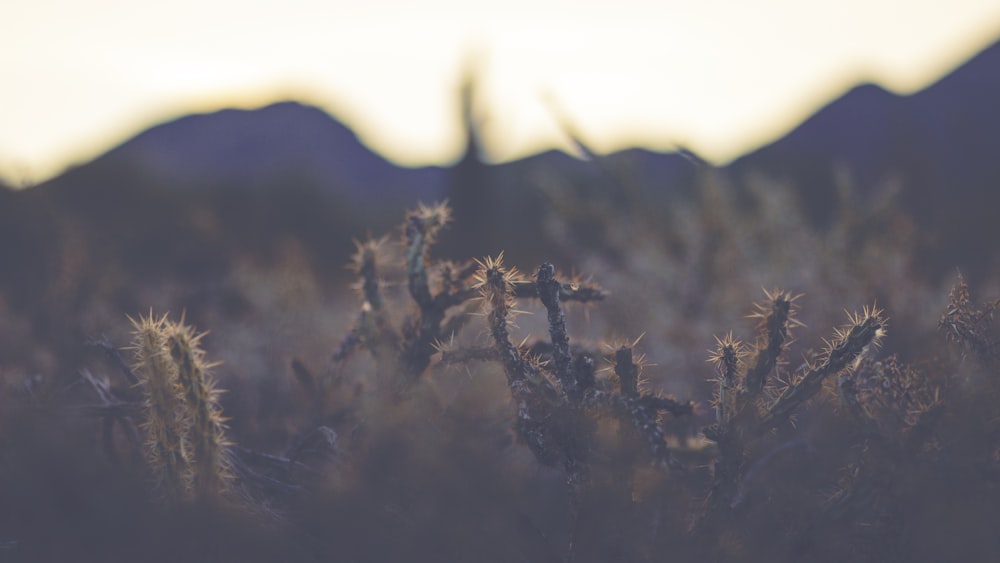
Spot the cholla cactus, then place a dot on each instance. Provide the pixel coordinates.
(743, 412)
(971, 326)
(165, 429)
(560, 403)
(186, 446)
(562, 408)
(403, 353)
(537, 400)
(210, 468)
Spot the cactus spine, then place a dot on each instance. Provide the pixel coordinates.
(184, 427)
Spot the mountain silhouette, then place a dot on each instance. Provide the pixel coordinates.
(197, 194)
(938, 144)
(282, 142)
(290, 148)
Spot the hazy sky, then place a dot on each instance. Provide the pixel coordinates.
(718, 76)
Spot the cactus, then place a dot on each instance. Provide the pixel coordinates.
(557, 458)
(743, 415)
(186, 445)
(167, 448)
(969, 326)
(557, 420)
(200, 411)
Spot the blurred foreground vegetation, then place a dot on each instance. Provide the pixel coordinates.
(402, 409)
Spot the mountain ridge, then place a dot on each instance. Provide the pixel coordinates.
(204, 191)
(869, 129)
(937, 144)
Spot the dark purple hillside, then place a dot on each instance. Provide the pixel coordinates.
(272, 144)
(939, 143)
(240, 183)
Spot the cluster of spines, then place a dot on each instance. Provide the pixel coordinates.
(865, 329)
(776, 315)
(186, 445)
(887, 396)
(364, 264)
(743, 415)
(742, 379)
(535, 397)
(165, 428)
(642, 410)
(210, 466)
(577, 394)
(971, 326)
(559, 402)
(728, 359)
(403, 353)
(372, 329)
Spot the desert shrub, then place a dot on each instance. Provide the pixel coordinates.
(440, 430)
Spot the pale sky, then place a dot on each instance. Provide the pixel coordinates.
(720, 77)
